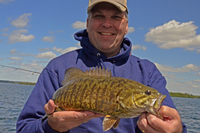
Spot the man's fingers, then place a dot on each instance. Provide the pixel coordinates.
(171, 120)
(93, 116)
(66, 120)
(169, 113)
(143, 124)
(155, 122)
(80, 115)
(49, 107)
(73, 116)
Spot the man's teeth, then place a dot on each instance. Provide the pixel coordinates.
(106, 33)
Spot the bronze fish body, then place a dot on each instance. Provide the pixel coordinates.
(97, 91)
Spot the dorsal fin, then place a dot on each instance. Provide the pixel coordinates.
(71, 73)
(99, 72)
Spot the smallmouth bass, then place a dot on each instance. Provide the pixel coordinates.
(97, 91)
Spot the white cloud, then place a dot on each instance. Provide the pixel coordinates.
(62, 51)
(138, 46)
(32, 66)
(15, 58)
(6, 1)
(175, 35)
(69, 49)
(180, 80)
(21, 21)
(188, 44)
(189, 87)
(19, 75)
(4, 30)
(44, 49)
(37, 62)
(198, 74)
(46, 55)
(196, 86)
(186, 68)
(131, 29)
(17, 36)
(48, 39)
(198, 50)
(15, 52)
(79, 25)
(198, 80)
(58, 50)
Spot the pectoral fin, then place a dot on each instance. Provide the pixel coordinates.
(116, 123)
(109, 122)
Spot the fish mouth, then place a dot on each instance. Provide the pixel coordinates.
(155, 106)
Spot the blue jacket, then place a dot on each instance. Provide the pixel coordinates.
(121, 65)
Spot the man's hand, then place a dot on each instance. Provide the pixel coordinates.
(63, 121)
(149, 123)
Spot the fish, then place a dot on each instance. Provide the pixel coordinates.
(97, 91)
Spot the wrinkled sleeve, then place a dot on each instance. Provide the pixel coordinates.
(157, 81)
(30, 119)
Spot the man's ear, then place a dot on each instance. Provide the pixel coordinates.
(127, 27)
(87, 24)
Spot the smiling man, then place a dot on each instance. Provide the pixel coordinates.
(106, 27)
(103, 45)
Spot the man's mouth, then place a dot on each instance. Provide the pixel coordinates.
(107, 34)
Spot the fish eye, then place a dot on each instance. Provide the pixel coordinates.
(148, 92)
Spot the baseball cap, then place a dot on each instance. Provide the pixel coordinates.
(120, 4)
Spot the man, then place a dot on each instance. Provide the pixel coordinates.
(103, 45)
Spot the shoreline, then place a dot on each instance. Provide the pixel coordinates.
(17, 82)
(184, 95)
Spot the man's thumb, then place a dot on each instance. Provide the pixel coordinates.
(49, 107)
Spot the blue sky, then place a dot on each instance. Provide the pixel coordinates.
(32, 32)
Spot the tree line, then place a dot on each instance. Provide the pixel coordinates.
(185, 95)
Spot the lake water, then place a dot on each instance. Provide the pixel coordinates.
(14, 96)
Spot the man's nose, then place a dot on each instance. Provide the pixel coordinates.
(107, 23)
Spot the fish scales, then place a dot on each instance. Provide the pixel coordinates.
(110, 96)
(107, 98)
(92, 93)
(95, 90)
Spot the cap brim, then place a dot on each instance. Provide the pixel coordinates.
(119, 6)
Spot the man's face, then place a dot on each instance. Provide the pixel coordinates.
(106, 28)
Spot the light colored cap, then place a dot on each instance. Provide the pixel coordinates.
(120, 4)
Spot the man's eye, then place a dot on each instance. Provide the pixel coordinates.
(117, 17)
(98, 16)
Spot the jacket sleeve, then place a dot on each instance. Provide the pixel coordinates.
(30, 119)
(157, 81)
